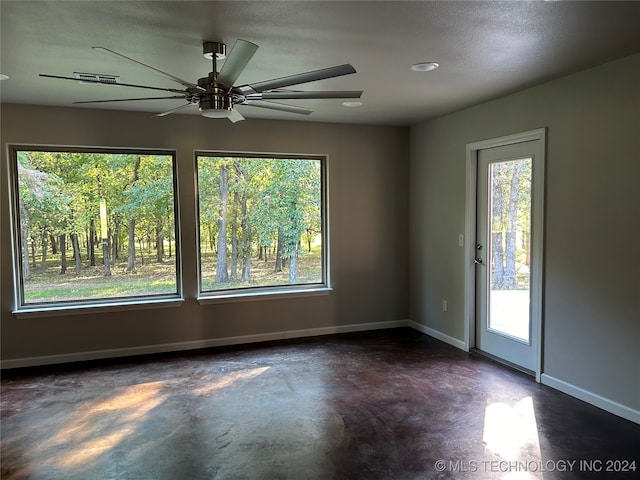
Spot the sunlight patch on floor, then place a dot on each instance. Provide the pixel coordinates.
(228, 380)
(106, 423)
(511, 434)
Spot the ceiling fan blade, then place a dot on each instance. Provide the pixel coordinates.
(278, 106)
(128, 99)
(306, 95)
(172, 110)
(236, 61)
(235, 116)
(148, 67)
(174, 90)
(297, 79)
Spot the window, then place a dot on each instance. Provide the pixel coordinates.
(261, 223)
(94, 226)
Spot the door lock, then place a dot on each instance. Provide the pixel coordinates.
(479, 246)
(478, 261)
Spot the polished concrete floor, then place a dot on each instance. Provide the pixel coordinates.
(391, 404)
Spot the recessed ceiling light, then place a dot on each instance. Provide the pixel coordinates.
(424, 66)
(351, 104)
(4, 77)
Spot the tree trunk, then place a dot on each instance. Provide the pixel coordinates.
(45, 245)
(244, 241)
(63, 254)
(222, 275)
(293, 265)
(141, 241)
(234, 237)
(76, 252)
(309, 239)
(115, 243)
(497, 228)
(159, 242)
(92, 250)
(512, 220)
(131, 246)
(33, 251)
(279, 262)
(497, 246)
(54, 244)
(212, 240)
(510, 260)
(105, 257)
(245, 250)
(87, 242)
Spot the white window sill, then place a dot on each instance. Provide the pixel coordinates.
(39, 311)
(255, 295)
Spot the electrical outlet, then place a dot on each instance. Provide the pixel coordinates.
(445, 305)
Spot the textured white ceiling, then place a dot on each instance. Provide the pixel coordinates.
(485, 49)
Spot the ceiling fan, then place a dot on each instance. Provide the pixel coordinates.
(216, 95)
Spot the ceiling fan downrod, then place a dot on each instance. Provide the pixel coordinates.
(215, 51)
(216, 102)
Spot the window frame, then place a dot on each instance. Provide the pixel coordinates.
(265, 292)
(97, 305)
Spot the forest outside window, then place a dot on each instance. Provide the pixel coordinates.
(262, 224)
(94, 227)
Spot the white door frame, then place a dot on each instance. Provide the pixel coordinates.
(537, 239)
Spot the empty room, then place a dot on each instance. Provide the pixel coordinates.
(319, 240)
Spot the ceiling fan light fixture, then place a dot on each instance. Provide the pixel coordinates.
(215, 112)
(424, 66)
(351, 104)
(216, 106)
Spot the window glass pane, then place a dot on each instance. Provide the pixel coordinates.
(95, 226)
(260, 222)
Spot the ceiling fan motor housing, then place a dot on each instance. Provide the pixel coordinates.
(216, 101)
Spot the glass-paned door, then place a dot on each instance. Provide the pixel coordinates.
(506, 323)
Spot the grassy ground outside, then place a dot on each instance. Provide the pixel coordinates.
(263, 273)
(152, 278)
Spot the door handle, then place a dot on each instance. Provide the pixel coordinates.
(477, 261)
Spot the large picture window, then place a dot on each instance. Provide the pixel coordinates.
(261, 222)
(94, 226)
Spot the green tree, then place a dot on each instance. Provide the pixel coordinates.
(510, 207)
(38, 192)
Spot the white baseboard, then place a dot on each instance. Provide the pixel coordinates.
(592, 398)
(196, 344)
(437, 334)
